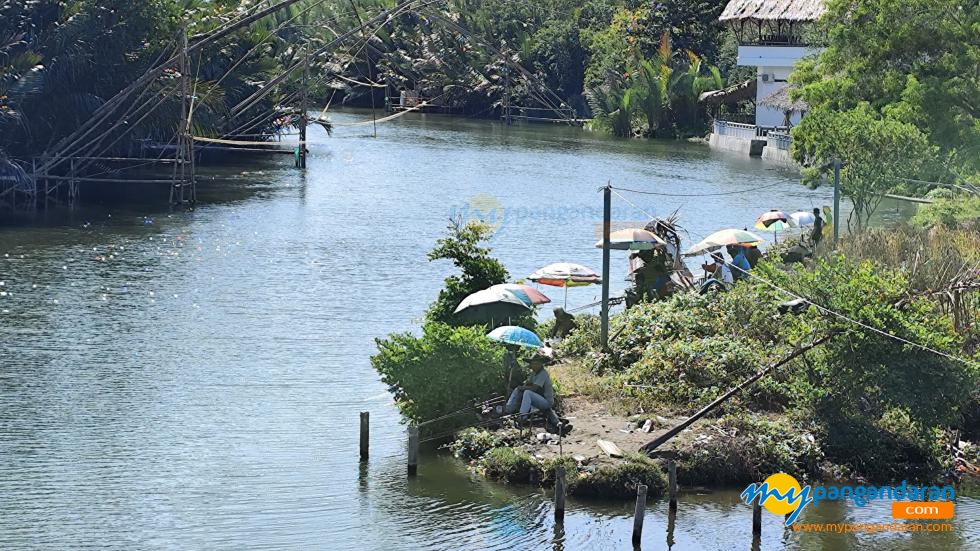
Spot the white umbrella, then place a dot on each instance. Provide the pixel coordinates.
(802, 218)
(723, 238)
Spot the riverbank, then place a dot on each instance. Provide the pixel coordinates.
(838, 412)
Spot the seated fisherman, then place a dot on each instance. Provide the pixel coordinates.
(537, 392)
(740, 263)
(564, 323)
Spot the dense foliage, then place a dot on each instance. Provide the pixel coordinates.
(877, 405)
(441, 371)
(894, 94)
(478, 269)
(451, 365)
(60, 60)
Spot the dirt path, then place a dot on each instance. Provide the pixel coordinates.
(593, 421)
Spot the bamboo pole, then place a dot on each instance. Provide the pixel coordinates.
(606, 223)
(654, 444)
(103, 180)
(672, 484)
(304, 108)
(559, 493)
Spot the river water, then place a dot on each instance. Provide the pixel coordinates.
(193, 379)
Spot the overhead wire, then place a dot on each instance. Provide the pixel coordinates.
(828, 310)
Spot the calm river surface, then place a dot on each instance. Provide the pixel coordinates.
(193, 380)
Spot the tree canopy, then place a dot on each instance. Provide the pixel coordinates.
(901, 62)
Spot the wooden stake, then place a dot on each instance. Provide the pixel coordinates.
(757, 516)
(639, 512)
(413, 449)
(365, 431)
(672, 483)
(559, 493)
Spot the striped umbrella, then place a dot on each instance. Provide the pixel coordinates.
(565, 274)
(636, 239)
(530, 295)
(723, 238)
(773, 220)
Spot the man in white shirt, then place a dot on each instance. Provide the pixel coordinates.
(722, 272)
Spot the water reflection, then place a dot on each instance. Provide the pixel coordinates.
(193, 379)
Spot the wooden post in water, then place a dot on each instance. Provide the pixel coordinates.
(559, 493)
(672, 484)
(757, 516)
(606, 222)
(304, 94)
(413, 449)
(365, 431)
(639, 512)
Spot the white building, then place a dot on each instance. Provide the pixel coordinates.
(771, 39)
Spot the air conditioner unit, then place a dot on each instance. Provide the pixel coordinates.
(765, 77)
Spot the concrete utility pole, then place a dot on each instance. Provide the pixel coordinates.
(837, 165)
(606, 222)
(304, 108)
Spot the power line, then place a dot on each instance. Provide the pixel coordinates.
(828, 310)
(697, 194)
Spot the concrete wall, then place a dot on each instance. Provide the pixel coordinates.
(778, 156)
(751, 148)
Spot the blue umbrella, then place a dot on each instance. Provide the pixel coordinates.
(512, 334)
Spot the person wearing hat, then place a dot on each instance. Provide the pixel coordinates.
(719, 269)
(538, 392)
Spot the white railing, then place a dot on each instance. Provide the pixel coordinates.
(735, 129)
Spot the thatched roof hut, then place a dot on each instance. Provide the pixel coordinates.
(735, 93)
(780, 99)
(772, 10)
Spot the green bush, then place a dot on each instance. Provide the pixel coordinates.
(621, 480)
(444, 370)
(893, 447)
(509, 465)
(747, 448)
(583, 339)
(959, 212)
(472, 443)
(548, 466)
(478, 269)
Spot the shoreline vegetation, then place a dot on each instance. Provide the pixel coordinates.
(864, 406)
(898, 115)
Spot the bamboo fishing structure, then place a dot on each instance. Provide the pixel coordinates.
(89, 155)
